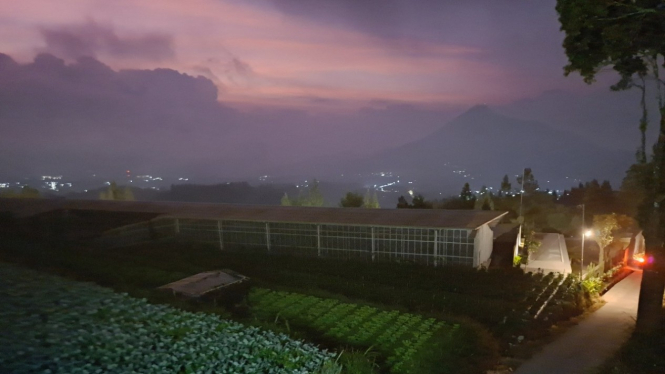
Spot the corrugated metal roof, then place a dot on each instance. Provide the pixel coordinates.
(202, 283)
(435, 218)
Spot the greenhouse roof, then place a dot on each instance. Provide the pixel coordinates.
(434, 218)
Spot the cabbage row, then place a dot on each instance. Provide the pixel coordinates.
(401, 337)
(52, 325)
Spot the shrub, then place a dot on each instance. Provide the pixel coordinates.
(593, 285)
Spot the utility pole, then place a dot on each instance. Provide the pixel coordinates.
(522, 193)
(583, 236)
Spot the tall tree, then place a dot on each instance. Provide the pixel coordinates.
(634, 189)
(371, 201)
(629, 37)
(466, 194)
(506, 187)
(530, 184)
(314, 197)
(351, 200)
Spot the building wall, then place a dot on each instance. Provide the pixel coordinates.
(483, 243)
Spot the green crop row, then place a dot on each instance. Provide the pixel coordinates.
(398, 336)
(52, 325)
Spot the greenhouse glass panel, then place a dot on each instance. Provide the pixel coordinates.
(344, 241)
(203, 231)
(244, 234)
(296, 238)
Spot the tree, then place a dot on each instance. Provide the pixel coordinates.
(634, 189)
(351, 200)
(371, 201)
(484, 202)
(402, 203)
(530, 184)
(465, 200)
(604, 226)
(116, 193)
(26, 192)
(466, 194)
(285, 200)
(506, 187)
(418, 202)
(312, 198)
(629, 37)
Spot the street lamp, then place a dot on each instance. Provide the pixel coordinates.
(585, 234)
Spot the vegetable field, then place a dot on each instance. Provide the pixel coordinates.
(492, 307)
(402, 338)
(52, 325)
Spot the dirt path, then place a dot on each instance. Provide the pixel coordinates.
(595, 339)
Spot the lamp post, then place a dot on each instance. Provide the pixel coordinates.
(585, 233)
(582, 259)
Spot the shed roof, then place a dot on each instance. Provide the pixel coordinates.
(434, 218)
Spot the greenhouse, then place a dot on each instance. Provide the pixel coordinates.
(427, 236)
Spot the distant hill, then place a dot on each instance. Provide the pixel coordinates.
(606, 118)
(487, 145)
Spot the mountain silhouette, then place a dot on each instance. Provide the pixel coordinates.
(485, 145)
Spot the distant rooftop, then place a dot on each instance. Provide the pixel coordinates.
(431, 218)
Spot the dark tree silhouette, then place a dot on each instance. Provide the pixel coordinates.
(628, 37)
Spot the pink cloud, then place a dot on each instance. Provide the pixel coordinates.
(256, 53)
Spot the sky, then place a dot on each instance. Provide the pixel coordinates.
(320, 54)
(266, 83)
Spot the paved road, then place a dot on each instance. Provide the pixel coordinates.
(588, 344)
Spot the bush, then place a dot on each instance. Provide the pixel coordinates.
(593, 285)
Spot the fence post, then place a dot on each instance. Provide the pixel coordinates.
(220, 234)
(268, 236)
(436, 247)
(318, 240)
(373, 247)
(177, 226)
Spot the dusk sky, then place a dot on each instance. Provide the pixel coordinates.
(396, 70)
(321, 54)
